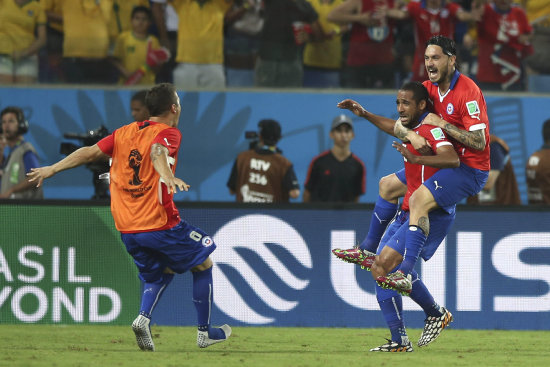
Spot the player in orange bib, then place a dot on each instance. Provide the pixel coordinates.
(144, 156)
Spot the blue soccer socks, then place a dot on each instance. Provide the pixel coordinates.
(203, 297)
(383, 213)
(422, 296)
(415, 240)
(152, 293)
(391, 304)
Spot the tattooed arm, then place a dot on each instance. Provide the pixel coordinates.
(472, 139)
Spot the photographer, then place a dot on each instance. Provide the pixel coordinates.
(17, 157)
(261, 174)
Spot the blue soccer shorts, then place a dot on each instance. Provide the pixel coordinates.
(179, 248)
(440, 224)
(449, 186)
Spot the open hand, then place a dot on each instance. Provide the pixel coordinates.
(355, 107)
(409, 157)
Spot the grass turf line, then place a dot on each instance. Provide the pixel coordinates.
(59, 345)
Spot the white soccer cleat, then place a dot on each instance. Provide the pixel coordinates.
(203, 340)
(143, 333)
(433, 326)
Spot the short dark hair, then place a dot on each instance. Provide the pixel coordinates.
(546, 131)
(270, 131)
(420, 93)
(448, 46)
(139, 96)
(142, 9)
(160, 98)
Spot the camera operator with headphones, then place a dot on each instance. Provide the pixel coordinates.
(17, 157)
(261, 174)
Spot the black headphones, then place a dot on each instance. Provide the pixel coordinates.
(22, 123)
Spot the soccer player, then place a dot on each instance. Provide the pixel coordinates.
(144, 156)
(412, 106)
(461, 111)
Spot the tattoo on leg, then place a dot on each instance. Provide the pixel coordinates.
(424, 225)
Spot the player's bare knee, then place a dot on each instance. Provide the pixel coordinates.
(422, 200)
(207, 264)
(391, 188)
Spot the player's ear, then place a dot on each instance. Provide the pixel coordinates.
(452, 60)
(422, 105)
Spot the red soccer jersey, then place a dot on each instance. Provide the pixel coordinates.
(416, 174)
(371, 45)
(500, 52)
(428, 23)
(139, 200)
(463, 106)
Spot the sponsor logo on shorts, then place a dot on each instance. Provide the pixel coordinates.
(207, 241)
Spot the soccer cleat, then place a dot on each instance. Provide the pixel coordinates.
(433, 326)
(203, 340)
(394, 347)
(143, 333)
(396, 281)
(356, 256)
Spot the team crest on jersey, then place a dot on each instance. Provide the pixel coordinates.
(450, 109)
(473, 107)
(437, 133)
(378, 34)
(207, 241)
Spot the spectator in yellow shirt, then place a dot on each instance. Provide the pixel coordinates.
(130, 52)
(20, 20)
(86, 41)
(120, 20)
(200, 43)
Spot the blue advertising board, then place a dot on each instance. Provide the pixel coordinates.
(274, 267)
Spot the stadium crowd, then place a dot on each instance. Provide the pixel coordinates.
(504, 44)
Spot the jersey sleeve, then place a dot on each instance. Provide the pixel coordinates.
(413, 7)
(453, 8)
(30, 160)
(169, 138)
(107, 144)
(435, 136)
(473, 111)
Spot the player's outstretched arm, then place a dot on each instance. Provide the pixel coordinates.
(472, 139)
(159, 156)
(383, 123)
(77, 158)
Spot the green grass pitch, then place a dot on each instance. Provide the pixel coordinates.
(57, 345)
